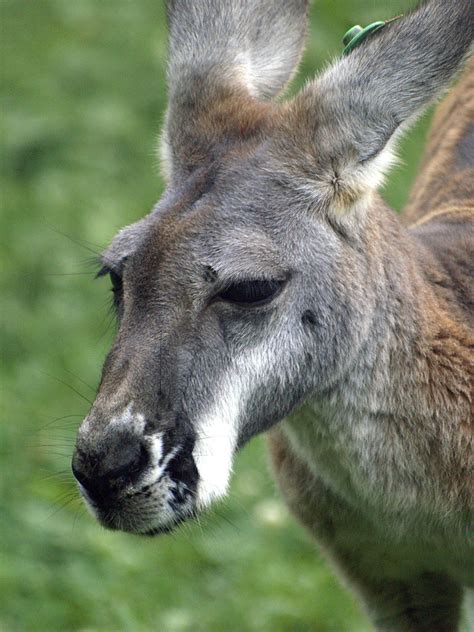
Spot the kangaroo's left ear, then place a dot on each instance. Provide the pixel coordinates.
(350, 115)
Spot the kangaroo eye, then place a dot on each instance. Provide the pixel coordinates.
(117, 290)
(251, 293)
(117, 284)
(116, 281)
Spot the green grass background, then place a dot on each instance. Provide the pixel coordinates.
(83, 100)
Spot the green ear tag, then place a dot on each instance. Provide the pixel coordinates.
(356, 35)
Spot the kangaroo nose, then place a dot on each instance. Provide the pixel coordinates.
(105, 472)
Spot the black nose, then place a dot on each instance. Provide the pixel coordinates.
(105, 471)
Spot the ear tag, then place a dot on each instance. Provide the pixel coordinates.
(356, 35)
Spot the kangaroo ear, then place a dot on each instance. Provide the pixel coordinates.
(355, 110)
(254, 43)
(222, 54)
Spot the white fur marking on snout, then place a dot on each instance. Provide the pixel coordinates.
(133, 421)
(126, 418)
(85, 426)
(159, 461)
(217, 431)
(155, 445)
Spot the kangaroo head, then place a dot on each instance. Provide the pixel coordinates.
(252, 283)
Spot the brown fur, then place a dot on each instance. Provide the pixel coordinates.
(446, 180)
(229, 117)
(419, 601)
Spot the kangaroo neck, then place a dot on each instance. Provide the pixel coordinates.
(410, 346)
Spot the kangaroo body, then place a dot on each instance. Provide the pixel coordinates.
(390, 496)
(272, 289)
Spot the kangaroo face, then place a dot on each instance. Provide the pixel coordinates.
(225, 320)
(254, 282)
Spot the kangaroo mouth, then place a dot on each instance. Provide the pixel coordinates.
(154, 510)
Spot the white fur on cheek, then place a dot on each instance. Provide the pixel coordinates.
(214, 450)
(217, 431)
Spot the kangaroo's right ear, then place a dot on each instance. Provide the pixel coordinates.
(225, 58)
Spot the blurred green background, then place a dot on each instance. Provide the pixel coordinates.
(83, 100)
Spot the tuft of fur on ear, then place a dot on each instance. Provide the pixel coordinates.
(354, 112)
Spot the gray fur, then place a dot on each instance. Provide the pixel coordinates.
(253, 43)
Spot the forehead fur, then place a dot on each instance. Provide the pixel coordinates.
(176, 201)
(125, 243)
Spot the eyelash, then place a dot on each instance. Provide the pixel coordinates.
(251, 293)
(117, 284)
(116, 281)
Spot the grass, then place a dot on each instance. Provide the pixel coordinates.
(84, 95)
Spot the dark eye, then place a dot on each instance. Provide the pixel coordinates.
(117, 285)
(251, 293)
(116, 280)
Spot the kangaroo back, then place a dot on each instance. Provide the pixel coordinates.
(446, 179)
(440, 211)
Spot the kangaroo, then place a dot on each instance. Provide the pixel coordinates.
(271, 289)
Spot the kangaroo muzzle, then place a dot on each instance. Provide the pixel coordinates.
(133, 479)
